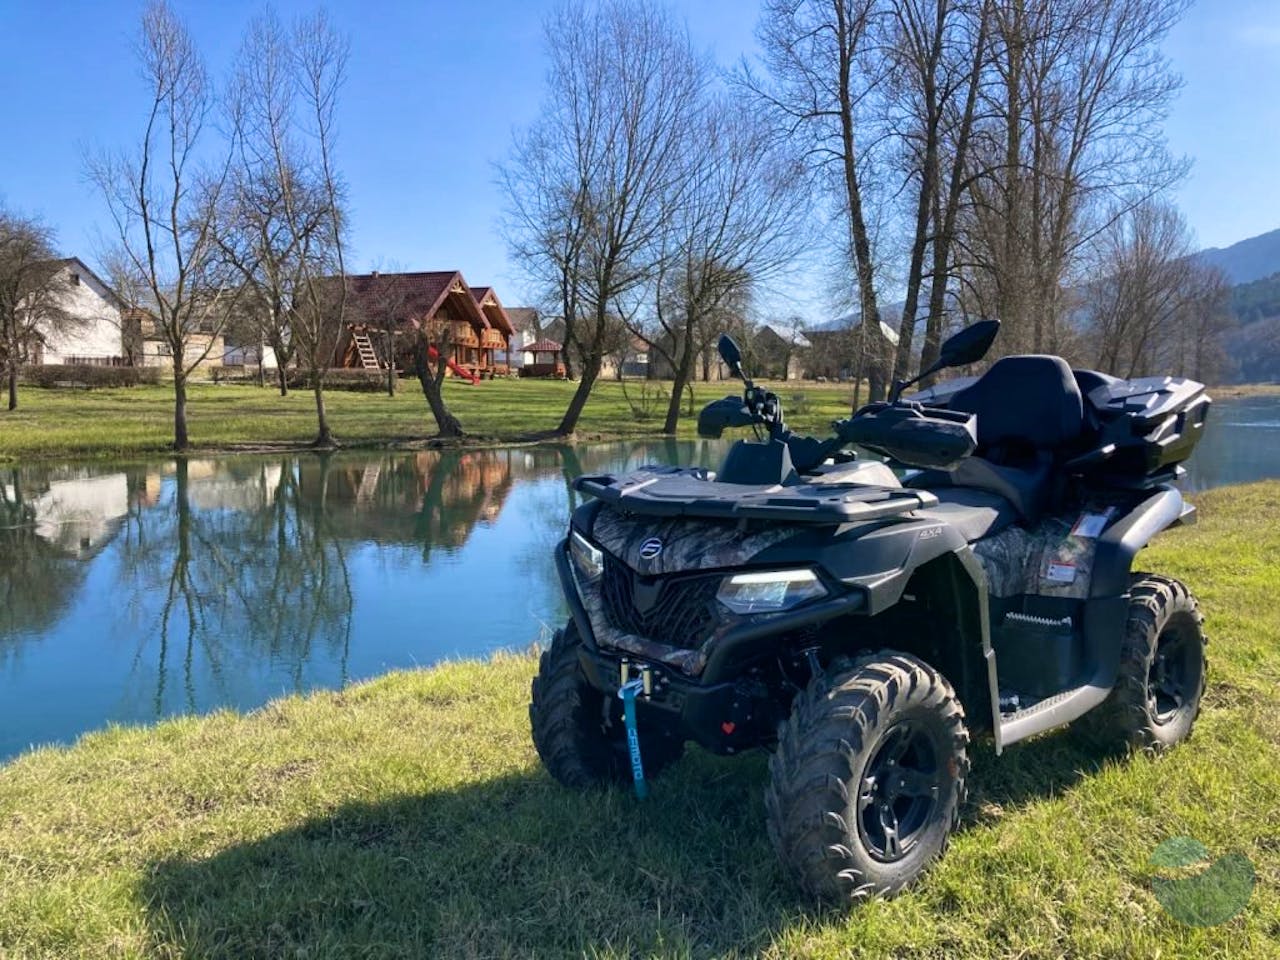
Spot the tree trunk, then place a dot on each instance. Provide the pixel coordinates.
(915, 273)
(13, 385)
(180, 441)
(324, 436)
(283, 376)
(262, 364)
(447, 425)
(859, 235)
(569, 422)
(683, 370)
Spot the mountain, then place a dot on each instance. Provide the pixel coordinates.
(1248, 260)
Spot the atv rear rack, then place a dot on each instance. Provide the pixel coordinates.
(692, 492)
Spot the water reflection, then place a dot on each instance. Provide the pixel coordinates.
(151, 589)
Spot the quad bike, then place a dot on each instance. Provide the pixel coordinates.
(864, 622)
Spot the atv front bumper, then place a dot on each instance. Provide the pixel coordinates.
(722, 708)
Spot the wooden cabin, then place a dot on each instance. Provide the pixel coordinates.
(385, 311)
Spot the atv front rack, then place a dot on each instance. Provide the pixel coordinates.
(692, 492)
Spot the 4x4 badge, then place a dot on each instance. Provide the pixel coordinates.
(650, 548)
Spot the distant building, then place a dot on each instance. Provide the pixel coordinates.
(524, 323)
(843, 350)
(780, 356)
(147, 346)
(94, 335)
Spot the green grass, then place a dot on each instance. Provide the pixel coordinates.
(408, 817)
(129, 421)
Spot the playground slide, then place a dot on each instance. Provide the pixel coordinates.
(432, 352)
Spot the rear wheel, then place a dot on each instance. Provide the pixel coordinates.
(576, 728)
(1157, 694)
(867, 781)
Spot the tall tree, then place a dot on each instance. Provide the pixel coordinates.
(163, 204)
(285, 215)
(590, 184)
(736, 222)
(935, 54)
(32, 291)
(1155, 307)
(821, 94)
(1071, 140)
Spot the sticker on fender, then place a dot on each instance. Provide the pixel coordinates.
(1061, 573)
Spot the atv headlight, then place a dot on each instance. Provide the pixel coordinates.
(769, 591)
(587, 558)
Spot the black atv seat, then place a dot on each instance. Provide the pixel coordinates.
(1028, 408)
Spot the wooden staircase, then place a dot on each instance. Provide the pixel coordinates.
(364, 347)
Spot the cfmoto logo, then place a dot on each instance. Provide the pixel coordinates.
(650, 548)
(1203, 899)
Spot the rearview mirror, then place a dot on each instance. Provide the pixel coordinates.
(969, 345)
(730, 354)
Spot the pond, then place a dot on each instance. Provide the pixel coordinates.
(136, 591)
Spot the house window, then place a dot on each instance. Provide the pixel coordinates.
(75, 279)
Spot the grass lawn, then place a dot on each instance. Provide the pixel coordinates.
(125, 421)
(408, 817)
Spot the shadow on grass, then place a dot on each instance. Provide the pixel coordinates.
(516, 865)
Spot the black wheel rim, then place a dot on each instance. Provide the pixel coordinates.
(898, 792)
(1172, 676)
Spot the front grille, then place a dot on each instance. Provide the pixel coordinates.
(678, 611)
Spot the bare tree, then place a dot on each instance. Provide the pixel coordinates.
(432, 346)
(935, 53)
(32, 289)
(820, 92)
(1072, 140)
(285, 212)
(1156, 307)
(736, 223)
(163, 204)
(590, 183)
(320, 57)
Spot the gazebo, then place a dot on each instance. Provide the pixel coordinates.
(546, 360)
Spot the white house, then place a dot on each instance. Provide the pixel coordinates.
(96, 336)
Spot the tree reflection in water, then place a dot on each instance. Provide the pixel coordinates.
(248, 569)
(134, 592)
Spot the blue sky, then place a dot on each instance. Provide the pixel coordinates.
(436, 88)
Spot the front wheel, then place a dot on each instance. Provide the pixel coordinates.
(576, 728)
(1157, 695)
(867, 781)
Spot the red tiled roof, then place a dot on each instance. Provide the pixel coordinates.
(543, 346)
(414, 296)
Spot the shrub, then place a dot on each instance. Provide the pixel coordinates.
(360, 381)
(646, 404)
(88, 375)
